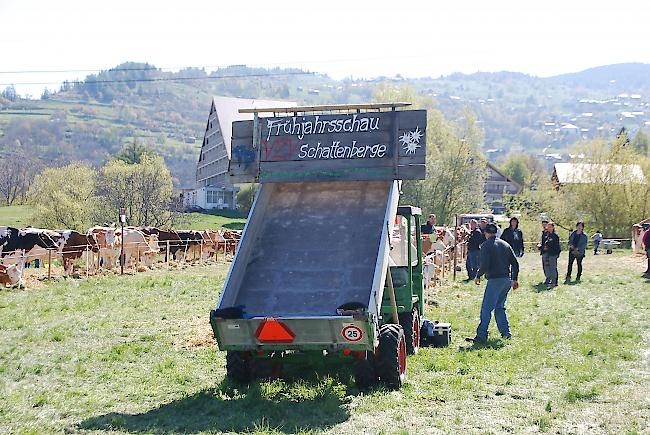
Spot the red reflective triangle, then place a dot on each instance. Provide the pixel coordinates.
(273, 331)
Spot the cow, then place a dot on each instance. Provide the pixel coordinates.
(73, 245)
(21, 246)
(108, 245)
(165, 237)
(10, 275)
(137, 247)
(191, 241)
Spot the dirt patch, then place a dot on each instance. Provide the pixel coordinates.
(198, 335)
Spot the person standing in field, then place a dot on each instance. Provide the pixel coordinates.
(552, 249)
(476, 239)
(577, 247)
(430, 226)
(514, 237)
(500, 267)
(541, 245)
(596, 238)
(646, 245)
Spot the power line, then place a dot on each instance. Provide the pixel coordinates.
(163, 79)
(208, 67)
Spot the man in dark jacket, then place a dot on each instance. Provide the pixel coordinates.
(540, 246)
(430, 226)
(577, 247)
(500, 267)
(476, 238)
(514, 237)
(551, 252)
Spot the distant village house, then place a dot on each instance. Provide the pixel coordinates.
(498, 184)
(593, 173)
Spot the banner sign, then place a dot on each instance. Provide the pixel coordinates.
(364, 146)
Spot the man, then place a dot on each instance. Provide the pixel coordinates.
(540, 246)
(577, 248)
(482, 225)
(476, 239)
(596, 238)
(552, 249)
(500, 267)
(646, 243)
(430, 226)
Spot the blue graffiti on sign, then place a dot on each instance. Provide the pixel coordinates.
(243, 155)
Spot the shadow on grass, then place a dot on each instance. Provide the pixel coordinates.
(234, 225)
(491, 343)
(296, 403)
(541, 287)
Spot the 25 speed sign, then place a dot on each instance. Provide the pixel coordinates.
(352, 333)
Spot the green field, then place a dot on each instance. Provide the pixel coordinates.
(223, 219)
(18, 216)
(134, 354)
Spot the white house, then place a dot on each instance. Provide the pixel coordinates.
(213, 188)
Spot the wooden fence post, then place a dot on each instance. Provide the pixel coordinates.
(49, 264)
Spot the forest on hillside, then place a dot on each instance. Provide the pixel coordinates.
(92, 119)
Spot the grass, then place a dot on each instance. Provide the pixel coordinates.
(17, 216)
(134, 354)
(229, 219)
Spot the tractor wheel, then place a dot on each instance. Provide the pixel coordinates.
(391, 356)
(365, 375)
(238, 366)
(411, 324)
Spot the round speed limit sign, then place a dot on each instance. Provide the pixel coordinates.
(352, 333)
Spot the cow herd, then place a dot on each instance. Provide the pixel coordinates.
(103, 247)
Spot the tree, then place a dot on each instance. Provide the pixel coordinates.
(612, 200)
(144, 189)
(64, 197)
(133, 153)
(245, 197)
(16, 174)
(641, 143)
(455, 169)
(517, 168)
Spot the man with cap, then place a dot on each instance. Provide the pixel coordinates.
(499, 265)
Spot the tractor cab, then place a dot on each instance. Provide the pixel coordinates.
(406, 272)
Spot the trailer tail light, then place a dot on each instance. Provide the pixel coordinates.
(274, 331)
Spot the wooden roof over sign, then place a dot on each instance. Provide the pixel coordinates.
(326, 108)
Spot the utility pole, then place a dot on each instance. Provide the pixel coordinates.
(122, 222)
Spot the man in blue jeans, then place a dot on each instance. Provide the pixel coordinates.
(499, 265)
(476, 238)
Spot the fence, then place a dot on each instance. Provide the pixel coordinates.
(136, 255)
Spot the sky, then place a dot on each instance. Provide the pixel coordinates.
(360, 38)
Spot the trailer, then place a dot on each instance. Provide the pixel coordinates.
(311, 272)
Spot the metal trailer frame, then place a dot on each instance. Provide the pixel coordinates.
(312, 332)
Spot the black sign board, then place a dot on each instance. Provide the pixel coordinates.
(359, 146)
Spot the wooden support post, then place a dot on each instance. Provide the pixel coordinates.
(49, 264)
(455, 245)
(391, 292)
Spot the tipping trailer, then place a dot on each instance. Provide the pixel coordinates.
(311, 270)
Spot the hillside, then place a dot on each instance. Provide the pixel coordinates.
(91, 120)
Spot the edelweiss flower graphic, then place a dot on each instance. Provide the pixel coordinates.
(411, 140)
